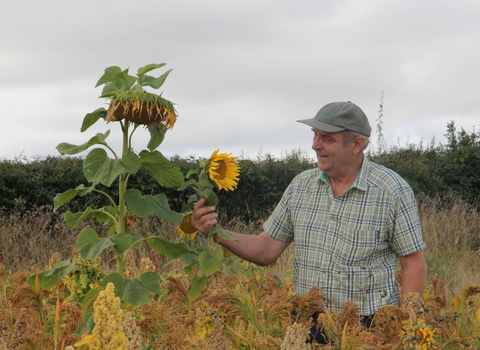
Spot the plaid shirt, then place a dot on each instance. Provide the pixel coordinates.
(349, 245)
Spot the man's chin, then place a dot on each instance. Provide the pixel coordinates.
(321, 165)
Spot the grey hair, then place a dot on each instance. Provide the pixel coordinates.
(351, 136)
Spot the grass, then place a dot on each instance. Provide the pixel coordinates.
(451, 231)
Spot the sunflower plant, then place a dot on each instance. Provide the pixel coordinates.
(219, 172)
(130, 106)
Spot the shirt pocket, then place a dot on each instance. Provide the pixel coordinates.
(356, 247)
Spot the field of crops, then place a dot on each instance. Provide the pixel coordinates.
(248, 308)
(242, 307)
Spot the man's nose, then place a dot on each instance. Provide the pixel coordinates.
(317, 143)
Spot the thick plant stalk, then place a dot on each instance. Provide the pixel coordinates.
(122, 209)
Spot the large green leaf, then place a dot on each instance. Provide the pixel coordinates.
(109, 75)
(68, 148)
(186, 184)
(189, 260)
(109, 171)
(149, 67)
(82, 190)
(129, 82)
(211, 263)
(196, 287)
(98, 168)
(157, 135)
(131, 162)
(145, 206)
(164, 172)
(151, 281)
(112, 89)
(171, 249)
(48, 278)
(75, 219)
(115, 82)
(93, 162)
(63, 198)
(156, 83)
(191, 172)
(134, 292)
(90, 245)
(122, 242)
(121, 82)
(117, 281)
(92, 118)
(212, 198)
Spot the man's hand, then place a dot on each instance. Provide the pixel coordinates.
(203, 218)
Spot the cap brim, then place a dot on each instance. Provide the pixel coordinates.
(321, 125)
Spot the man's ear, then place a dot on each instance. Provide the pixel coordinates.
(358, 145)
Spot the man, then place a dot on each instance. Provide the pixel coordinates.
(351, 221)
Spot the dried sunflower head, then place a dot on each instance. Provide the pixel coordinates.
(142, 107)
(130, 101)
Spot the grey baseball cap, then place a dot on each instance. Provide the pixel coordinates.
(339, 116)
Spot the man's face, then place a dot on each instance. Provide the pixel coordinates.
(332, 155)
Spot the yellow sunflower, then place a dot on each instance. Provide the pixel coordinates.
(223, 170)
(186, 228)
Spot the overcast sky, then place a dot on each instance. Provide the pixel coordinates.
(243, 71)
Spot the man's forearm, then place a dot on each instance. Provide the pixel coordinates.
(412, 283)
(248, 247)
(260, 249)
(414, 274)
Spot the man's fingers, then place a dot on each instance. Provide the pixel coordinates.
(199, 210)
(199, 204)
(203, 218)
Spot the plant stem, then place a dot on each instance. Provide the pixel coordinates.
(122, 208)
(56, 328)
(131, 135)
(110, 199)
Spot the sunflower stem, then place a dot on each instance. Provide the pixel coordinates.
(131, 136)
(122, 208)
(110, 199)
(111, 149)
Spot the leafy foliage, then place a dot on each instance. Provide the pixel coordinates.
(443, 170)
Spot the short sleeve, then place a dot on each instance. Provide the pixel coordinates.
(279, 225)
(407, 234)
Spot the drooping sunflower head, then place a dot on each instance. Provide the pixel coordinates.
(223, 171)
(142, 107)
(186, 229)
